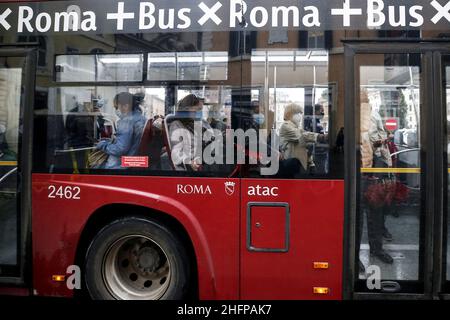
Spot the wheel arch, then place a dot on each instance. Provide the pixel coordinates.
(111, 212)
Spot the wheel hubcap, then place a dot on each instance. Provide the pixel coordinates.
(136, 267)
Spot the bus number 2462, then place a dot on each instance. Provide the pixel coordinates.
(64, 192)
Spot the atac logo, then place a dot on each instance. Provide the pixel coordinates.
(229, 187)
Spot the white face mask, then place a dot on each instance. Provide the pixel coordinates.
(118, 113)
(297, 119)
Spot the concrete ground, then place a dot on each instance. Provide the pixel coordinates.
(404, 247)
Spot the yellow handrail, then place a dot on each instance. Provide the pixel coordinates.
(390, 170)
(8, 163)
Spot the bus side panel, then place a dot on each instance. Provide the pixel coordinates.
(314, 213)
(208, 211)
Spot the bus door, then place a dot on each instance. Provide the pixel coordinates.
(292, 204)
(443, 91)
(16, 102)
(396, 135)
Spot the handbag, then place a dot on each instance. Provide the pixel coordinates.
(383, 192)
(96, 159)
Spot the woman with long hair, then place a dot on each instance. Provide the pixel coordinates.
(129, 130)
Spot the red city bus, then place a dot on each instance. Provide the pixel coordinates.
(223, 150)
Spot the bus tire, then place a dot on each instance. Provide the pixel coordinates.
(136, 259)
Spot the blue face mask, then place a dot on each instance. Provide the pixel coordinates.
(196, 115)
(258, 118)
(118, 113)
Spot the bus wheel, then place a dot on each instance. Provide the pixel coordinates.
(136, 259)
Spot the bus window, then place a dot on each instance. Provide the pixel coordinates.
(89, 116)
(84, 123)
(291, 104)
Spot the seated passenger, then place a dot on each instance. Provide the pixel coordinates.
(103, 123)
(257, 116)
(129, 130)
(293, 139)
(80, 133)
(216, 118)
(80, 126)
(185, 154)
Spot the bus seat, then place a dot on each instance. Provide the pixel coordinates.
(146, 138)
(151, 144)
(166, 137)
(167, 122)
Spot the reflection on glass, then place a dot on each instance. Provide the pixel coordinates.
(72, 68)
(293, 94)
(85, 116)
(390, 207)
(102, 67)
(162, 66)
(10, 96)
(183, 66)
(216, 105)
(119, 67)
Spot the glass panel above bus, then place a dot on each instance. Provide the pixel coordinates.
(185, 66)
(162, 66)
(99, 68)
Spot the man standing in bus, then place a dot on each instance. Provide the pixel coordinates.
(381, 159)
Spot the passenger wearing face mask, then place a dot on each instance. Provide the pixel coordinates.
(185, 155)
(294, 139)
(216, 118)
(258, 118)
(129, 130)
